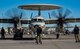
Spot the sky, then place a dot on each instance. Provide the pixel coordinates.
(72, 5)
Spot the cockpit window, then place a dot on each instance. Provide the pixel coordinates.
(37, 20)
(33, 20)
(40, 20)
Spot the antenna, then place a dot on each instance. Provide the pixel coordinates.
(31, 15)
(39, 12)
(49, 15)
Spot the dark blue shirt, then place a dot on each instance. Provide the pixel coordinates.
(76, 30)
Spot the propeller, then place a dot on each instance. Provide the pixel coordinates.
(61, 15)
(15, 14)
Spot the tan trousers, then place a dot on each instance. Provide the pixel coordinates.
(39, 39)
(76, 37)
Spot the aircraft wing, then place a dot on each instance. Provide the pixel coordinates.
(6, 21)
(47, 21)
(23, 21)
(50, 21)
(72, 20)
(68, 20)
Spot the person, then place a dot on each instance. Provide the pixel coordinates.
(57, 33)
(9, 31)
(67, 32)
(39, 32)
(2, 33)
(16, 33)
(21, 33)
(76, 33)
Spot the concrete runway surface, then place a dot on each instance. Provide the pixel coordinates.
(47, 44)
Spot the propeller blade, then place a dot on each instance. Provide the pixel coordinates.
(67, 12)
(60, 12)
(9, 13)
(54, 14)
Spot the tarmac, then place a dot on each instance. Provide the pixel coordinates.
(47, 44)
(46, 36)
(64, 42)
